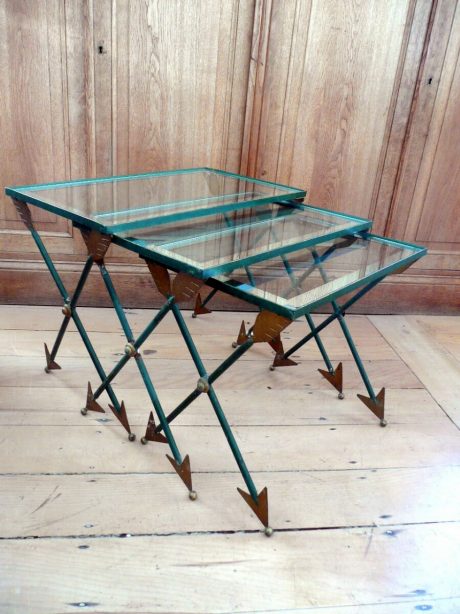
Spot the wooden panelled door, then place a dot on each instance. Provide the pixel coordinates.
(355, 101)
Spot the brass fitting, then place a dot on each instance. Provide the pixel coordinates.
(130, 350)
(66, 310)
(202, 385)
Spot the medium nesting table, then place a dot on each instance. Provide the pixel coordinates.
(252, 239)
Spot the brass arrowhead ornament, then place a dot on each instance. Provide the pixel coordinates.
(279, 360)
(121, 415)
(242, 335)
(268, 326)
(182, 470)
(199, 307)
(260, 508)
(150, 434)
(50, 363)
(377, 407)
(91, 403)
(335, 378)
(185, 287)
(161, 277)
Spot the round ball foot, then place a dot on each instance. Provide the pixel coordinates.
(234, 344)
(341, 396)
(268, 531)
(144, 441)
(192, 495)
(272, 367)
(193, 315)
(383, 422)
(47, 370)
(132, 437)
(83, 411)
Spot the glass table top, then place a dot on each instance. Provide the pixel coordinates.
(250, 238)
(115, 204)
(220, 242)
(294, 284)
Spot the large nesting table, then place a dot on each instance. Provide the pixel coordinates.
(252, 239)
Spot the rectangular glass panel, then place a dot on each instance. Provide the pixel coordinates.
(135, 201)
(319, 272)
(215, 243)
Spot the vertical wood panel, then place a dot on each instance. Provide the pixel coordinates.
(426, 200)
(328, 85)
(33, 135)
(185, 67)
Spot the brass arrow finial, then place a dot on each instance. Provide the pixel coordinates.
(200, 309)
(91, 403)
(123, 418)
(377, 407)
(50, 363)
(183, 471)
(259, 507)
(335, 378)
(150, 434)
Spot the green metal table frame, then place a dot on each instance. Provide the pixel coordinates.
(183, 288)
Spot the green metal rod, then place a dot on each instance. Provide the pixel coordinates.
(49, 263)
(233, 445)
(78, 323)
(59, 337)
(81, 282)
(211, 378)
(94, 358)
(209, 297)
(240, 350)
(330, 318)
(308, 317)
(354, 351)
(73, 302)
(214, 400)
(154, 323)
(348, 337)
(140, 363)
(158, 408)
(137, 344)
(319, 343)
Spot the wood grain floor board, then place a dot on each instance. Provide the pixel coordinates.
(367, 520)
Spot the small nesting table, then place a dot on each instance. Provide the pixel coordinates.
(252, 239)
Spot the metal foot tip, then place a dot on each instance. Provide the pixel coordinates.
(383, 422)
(234, 344)
(132, 437)
(271, 367)
(144, 441)
(192, 495)
(83, 411)
(193, 315)
(47, 370)
(341, 396)
(268, 531)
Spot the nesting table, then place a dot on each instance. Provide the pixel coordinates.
(252, 239)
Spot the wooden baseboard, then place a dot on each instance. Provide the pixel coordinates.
(29, 283)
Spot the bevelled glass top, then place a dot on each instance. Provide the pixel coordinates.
(297, 282)
(222, 241)
(135, 201)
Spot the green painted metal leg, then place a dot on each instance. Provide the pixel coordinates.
(376, 403)
(257, 501)
(78, 323)
(141, 365)
(330, 319)
(67, 311)
(136, 346)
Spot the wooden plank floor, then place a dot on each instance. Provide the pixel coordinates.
(367, 520)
